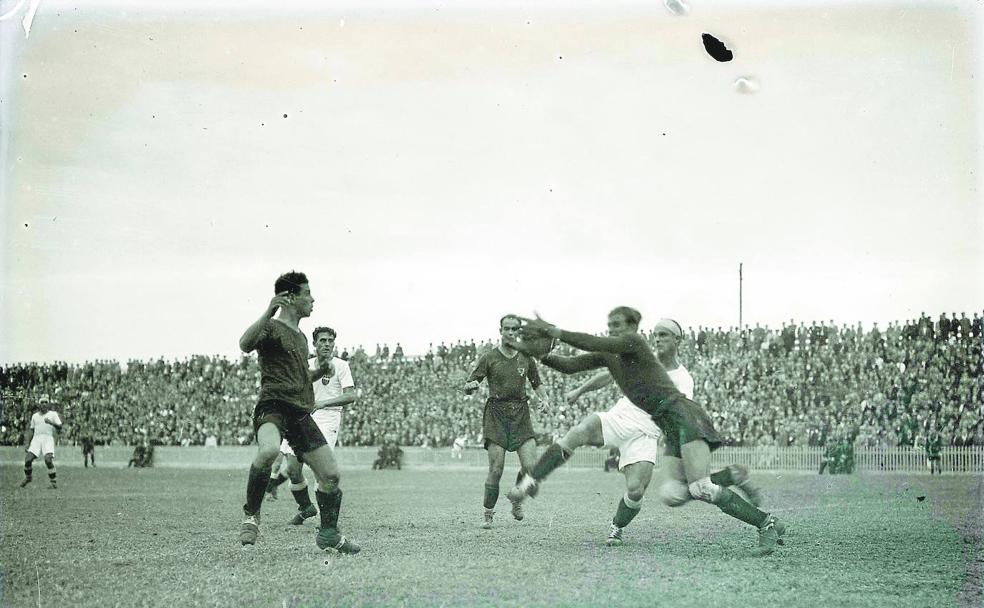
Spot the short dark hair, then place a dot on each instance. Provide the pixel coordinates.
(509, 316)
(323, 330)
(290, 282)
(631, 315)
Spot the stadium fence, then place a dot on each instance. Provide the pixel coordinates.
(807, 459)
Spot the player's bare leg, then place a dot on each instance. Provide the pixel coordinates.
(299, 488)
(586, 432)
(28, 469)
(497, 461)
(696, 464)
(527, 460)
(637, 478)
(329, 497)
(268, 446)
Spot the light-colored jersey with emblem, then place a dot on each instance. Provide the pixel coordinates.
(41, 426)
(330, 387)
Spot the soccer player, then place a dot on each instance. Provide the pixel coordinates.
(633, 432)
(44, 423)
(88, 449)
(284, 406)
(333, 392)
(689, 432)
(506, 424)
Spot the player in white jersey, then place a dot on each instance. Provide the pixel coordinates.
(44, 422)
(636, 435)
(332, 393)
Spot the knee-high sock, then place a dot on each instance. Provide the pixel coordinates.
(255, 486)
(723, 477)
(739, 508)
(553, 458)
(52, 473)
(301, 494)
(28, 469)
(627, 510)
(330, 504)
(275, 481)
(491, 495)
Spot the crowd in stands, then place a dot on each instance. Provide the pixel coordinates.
(793, 385)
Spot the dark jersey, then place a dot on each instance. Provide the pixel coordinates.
(632, 363)
(283, 354)
(506, 376)
(933, 447)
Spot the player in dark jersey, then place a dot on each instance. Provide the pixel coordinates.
(88, 449)
(506, 424)
(284, 406)
(934, 446)
(688, 431)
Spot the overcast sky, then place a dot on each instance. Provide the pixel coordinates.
(433, 165)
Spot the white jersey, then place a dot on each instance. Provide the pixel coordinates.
(683, 381)
(330, 387)
(39, 422)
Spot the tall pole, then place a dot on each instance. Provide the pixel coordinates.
(739, 296)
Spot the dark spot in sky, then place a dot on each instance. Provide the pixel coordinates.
(285, 116)
(664, 134)
(560, 56)
(716, 49)
(25, 225)
(266, 225)
(262, 124)
(25, 75)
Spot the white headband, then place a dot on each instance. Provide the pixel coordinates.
(671, 326)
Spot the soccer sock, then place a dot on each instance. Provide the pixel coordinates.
(491, 495)
(330, 504)
(551, 459)
(51, 472)
(255, 486)
(275, 481)
(723, 477)
(301, 494)
(28, 470)
(739, 508)
(627, 510)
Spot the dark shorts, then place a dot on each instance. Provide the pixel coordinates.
(296, 426)
(684, 421)
(507, 424)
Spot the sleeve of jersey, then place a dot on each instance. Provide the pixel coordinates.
(572, 365)
(57, 418)
(480, 371)
(601, 344)
(261, 340)
(345, 375)
(533, 373)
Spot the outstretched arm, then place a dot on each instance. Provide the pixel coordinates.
(572, 365)
(595, 344)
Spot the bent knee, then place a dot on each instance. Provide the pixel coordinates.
(706, 490)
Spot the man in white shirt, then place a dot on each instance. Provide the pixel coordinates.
(332, 393)
(44, 423)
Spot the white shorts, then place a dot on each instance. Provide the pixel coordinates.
(41, 445)
(328, 421)
(632, 431)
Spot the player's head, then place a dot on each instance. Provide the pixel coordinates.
(623, 320)
(324, 340)
(298, 292)
(43, 402)
(509, 326)
(668, 335)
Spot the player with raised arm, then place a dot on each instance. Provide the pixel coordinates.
(688, 431)
(284, 406)
(627, 427)
(506, 423)
(333, 392)
(44, 422)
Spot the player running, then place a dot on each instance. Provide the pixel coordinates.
(690, 435)
(506, 424)
(283, 409)
(44, 423)
(628, 428)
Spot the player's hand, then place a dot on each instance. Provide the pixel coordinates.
(538, 326)
(278, 301)
(571, 396)
(471, 387)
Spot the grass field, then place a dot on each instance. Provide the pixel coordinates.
(167, 537)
